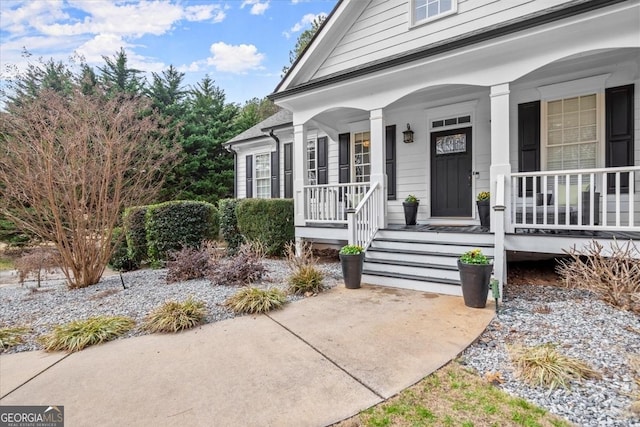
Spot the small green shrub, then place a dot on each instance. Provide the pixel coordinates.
(173, 225)
(256, 300)
(474, 256)
(229, 225)
(175, 316)
(10, 337)
(120, 258)
(134, 220)
(269, 221)
(351, 250)
(79, 334)
(544, 366)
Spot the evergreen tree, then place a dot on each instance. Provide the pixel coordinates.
(167, 93)
(253, 112)
(118, 78)
(206, 169)
(303, 41)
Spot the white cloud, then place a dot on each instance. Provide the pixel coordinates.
(303, 23)
(258, 7)
(205, 12)
(235, 58)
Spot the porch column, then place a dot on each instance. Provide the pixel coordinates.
(378, 164)
(299, 172)
(500, 167)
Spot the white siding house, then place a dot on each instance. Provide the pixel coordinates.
(536, 101)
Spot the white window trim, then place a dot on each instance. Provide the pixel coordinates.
(412, 13)
(580, 87)
(255, 174)
(314, 141)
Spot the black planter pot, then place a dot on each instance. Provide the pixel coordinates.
(484, 211)
(352, 270)
(475, 280)
(410, 212)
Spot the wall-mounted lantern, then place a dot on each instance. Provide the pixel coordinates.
(408, 135)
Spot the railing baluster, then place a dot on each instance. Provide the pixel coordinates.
(617, 199)
(631, 199)
(579, 219)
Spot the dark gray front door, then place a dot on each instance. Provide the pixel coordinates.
(451, 173)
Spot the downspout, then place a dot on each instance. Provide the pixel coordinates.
(277, 140)
(235, 170)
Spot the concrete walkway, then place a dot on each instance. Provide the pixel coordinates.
(314, 363)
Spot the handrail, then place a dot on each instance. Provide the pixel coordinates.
(363, 222)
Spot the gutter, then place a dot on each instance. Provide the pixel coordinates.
(277, 140)
(230, 149)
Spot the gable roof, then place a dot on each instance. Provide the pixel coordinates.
(300, 79)
(282, 118)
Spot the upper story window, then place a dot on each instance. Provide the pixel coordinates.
(426, 10)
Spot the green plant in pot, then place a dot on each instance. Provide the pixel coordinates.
(352, 258)
(475, 274)
(484, 209)
(410, 206)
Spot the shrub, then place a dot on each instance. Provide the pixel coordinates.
(191, 263)
(229, 225)
(544, 366)
(269, 221)
(134, 220)
(243, 268)
(305, 276)
(78, 334)
(256, 300)
(10, 337)
(120, 258)
(173, 225)
(613, 275)
(474, 256)
(37, 261)
(175, 316)
(351, 250)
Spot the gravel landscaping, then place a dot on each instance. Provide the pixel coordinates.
(575, 320)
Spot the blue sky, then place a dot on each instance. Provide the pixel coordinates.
(241, 44)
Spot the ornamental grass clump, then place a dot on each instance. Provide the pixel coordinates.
(305, 276)
(175, 316)
(10, 337)
(256, 300)
(474, 256)
(78, 334)
(544, 366)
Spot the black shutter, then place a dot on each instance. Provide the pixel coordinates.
(390, 154)
(275, 175)
(344, 140)
(529, 142)
(323, 160)
(619, 133)
(288, 170)
(249, 176)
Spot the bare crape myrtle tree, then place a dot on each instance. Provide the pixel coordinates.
(70, 162)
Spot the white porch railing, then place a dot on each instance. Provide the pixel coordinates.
(363, 221)
(329, 203)
(581, 199)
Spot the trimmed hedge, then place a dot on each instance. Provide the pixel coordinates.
(229, 225)
(269, 221)
(133, 220)
(120, 257)
(177, 224)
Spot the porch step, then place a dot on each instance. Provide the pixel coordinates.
(421, 260)
(455, 249)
